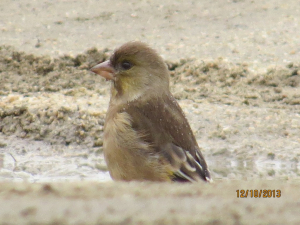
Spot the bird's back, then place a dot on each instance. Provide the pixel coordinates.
(165, 127)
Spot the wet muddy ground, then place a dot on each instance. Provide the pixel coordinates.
(247, 124)
(244, 108)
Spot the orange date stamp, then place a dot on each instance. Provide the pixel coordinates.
(267, 193)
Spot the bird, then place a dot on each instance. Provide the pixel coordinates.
(146, 135)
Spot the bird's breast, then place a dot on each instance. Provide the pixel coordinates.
(128, 157)
(121, 144)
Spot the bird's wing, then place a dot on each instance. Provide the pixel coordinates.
(167, 130)
(185, 166)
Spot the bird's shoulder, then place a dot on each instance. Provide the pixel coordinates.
(163, 117)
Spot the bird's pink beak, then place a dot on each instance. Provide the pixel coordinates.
(105, 70)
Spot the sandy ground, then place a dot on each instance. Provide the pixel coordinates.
(235, 70)
(147, 203)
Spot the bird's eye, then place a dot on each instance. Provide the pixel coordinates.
(126, 65)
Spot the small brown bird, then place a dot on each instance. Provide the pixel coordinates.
(146, 135)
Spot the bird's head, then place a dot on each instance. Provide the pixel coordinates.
(134, 68)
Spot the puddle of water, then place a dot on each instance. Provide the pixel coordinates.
(35, 161)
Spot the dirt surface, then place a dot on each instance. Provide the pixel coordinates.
(235, 70)
(148, 203)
